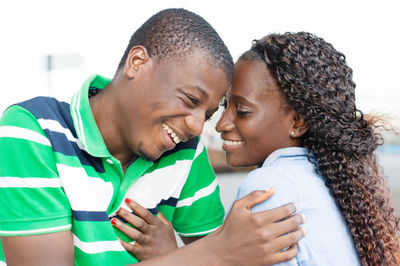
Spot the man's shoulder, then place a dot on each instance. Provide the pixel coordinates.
(48, 108)
(44, 107)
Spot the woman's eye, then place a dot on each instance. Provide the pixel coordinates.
(241, 111)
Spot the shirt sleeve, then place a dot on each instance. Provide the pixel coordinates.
(264, 178)
(32, 199)
(199, 209)
(285, 192)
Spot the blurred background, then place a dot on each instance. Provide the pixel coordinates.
(51, 47)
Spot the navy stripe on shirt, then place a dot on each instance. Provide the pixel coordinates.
(52, 109)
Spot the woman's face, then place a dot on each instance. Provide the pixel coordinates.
(257, 120)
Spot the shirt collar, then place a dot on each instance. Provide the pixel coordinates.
(85, 125)
(284, 153)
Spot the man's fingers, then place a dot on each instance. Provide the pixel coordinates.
(140, 211)
(277, 214)
(285, 255)
(288, 240)
(254, 198)
(127, 230)
(288, 225)
(163, 219)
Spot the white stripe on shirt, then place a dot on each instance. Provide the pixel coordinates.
(55, 126)
(85, 192)
(164, 182)
(204, 192)
(37, 231)
(198, 233)
(98, 246)
(31, 182)
(23, 133)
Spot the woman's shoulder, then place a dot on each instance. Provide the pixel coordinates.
(266, 177)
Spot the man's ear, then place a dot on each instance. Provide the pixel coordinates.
(137, 58)
(299, 126)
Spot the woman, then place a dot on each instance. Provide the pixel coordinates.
(291, 111)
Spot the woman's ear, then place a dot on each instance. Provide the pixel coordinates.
(137, 57)
(299, 126)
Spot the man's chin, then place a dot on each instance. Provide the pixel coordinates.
(147, 157)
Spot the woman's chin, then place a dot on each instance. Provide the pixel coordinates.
(238, 163)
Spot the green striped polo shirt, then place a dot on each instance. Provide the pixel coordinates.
(56, 174)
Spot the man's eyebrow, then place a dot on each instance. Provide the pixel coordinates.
(202, 91)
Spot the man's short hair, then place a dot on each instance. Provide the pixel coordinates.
(175, 34)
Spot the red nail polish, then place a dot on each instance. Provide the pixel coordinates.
(113, 221)
(127, 200)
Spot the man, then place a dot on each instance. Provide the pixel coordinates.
(67, 168)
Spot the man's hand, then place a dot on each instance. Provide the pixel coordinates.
(248, 238)
(153, 235)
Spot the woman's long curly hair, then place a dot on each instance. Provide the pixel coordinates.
(316, 81)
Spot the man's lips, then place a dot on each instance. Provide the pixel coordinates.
(175, 138)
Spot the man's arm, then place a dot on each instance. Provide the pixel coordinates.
(35, 215)
(48, 249)
(245, 238)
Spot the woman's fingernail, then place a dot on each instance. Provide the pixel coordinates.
(127, 200)
(113, 221)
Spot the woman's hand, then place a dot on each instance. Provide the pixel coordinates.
(153, 235)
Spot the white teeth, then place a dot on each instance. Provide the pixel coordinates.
(232, 142)
(171, 133)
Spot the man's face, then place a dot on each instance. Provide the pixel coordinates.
(169, 102)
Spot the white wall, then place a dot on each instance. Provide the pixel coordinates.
(366, 31)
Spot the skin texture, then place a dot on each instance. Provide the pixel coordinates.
(147, 238)
(47, 249)
(140, 98)
(182, 94)
(257, 114)
(317, 81)
(256, 118)
(254, 238)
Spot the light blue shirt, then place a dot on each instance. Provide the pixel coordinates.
(327, 241)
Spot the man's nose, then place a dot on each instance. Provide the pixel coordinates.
(195, 123)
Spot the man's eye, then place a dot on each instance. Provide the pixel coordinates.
(194, 100)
